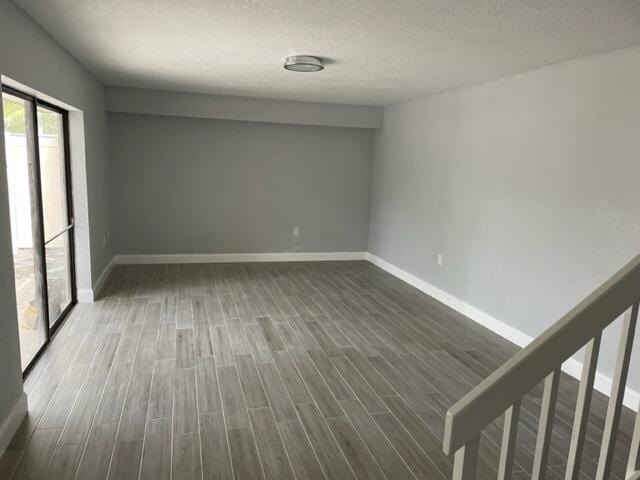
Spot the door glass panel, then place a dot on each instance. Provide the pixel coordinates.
(58, 275)
(52, 171)
(25, 230)
(53, 183)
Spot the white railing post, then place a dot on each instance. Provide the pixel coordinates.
(511, 417)
(633, 466)
(583, 405)
(617, 393)
(545, 426)
(465, 461)
(503, 390)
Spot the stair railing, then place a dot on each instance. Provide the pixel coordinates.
(542, 359)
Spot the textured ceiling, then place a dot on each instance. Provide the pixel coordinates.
(380, 51)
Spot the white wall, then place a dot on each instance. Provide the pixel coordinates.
(527, 185)
(31, 57)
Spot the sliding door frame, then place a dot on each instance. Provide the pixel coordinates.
(70, 229)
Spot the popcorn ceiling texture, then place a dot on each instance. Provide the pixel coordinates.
(380, 52)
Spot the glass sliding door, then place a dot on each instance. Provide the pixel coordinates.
(57, 221)
(26, 233)
(37, 163)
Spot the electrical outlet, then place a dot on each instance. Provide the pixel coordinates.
(440, 259)
(296, 231)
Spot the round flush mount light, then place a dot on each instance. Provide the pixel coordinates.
(303, 63)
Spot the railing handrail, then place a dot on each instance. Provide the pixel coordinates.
(509, 383)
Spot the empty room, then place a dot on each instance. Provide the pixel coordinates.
(264, 239)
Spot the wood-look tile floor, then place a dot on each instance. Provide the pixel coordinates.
(291, 370)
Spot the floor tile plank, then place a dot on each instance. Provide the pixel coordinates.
(321, 393)
(156, 458)
(34, 461)
(246, 463)
(254, 394)
(358, 455)
(293, 381)
(272, 453)
(233, 404)
(207, 385)
(303, 458)
(216, 462)
(64, 462)
(97, 454)
(186, 464)
(277, 394)
(184, 348)
(329, 454)
(185, 412)
(384, 453)
(162, 388)
(341, 370)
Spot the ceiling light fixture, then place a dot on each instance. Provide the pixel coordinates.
(303, 63)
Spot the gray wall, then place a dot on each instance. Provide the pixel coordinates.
(29, 56)
(10, 374)
(527, 185)
(215, 186)
(195, 105)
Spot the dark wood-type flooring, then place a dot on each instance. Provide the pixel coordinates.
(315, 370)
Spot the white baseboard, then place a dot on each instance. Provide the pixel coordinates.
(89, 295)
(86, 295)
(10, 426)
(238, 257)
(478, 316)
(572, 366)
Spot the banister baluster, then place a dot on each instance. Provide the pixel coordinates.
(509, 435)
(634, 453)
(466, 460)
(583, 406)
(545, 426)
(617, 393)
(540, 360)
